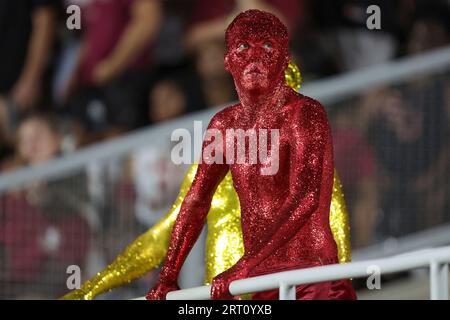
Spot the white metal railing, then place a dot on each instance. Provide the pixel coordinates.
(436, 260)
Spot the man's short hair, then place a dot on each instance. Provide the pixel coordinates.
(253, 22)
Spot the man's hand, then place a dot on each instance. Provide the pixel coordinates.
(160, 291)
(104, 72)
(146, 18)
(220, 288)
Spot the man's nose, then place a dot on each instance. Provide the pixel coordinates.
(255, 52)
(257, 49)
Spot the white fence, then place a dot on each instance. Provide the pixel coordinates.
(436, 260)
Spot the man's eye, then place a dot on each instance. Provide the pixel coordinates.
(243, 46)
(267, 45)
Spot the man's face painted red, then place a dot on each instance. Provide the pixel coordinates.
(257, 56)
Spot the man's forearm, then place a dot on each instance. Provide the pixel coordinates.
(185, 232)
(191, 219)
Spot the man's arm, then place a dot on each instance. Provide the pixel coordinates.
(189, 222)
(191, 218)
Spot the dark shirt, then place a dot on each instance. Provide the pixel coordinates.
(15, 31)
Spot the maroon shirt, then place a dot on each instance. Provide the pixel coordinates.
(105, 22)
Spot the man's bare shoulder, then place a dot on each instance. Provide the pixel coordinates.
(308, 112)
(302, 103)
(225, 116)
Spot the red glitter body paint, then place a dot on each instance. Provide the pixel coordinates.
(285, 216)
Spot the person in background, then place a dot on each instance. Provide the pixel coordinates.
(154, 175)
(167, 101)
(210, 19)
(358, 46)
(26, 38)
(109, 83)
(429, 30)
(408, 126)
(37, 141)
(174, 92)
(354, 159)
(45, 225)
(26, 41)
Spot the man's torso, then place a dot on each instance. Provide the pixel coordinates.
(262, 196)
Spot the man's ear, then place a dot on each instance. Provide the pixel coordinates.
(226, 62)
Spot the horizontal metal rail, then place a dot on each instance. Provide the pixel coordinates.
(335, 88)
(436, 260)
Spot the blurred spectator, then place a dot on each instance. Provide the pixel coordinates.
(45, 227)
(167, 101)
(174, 93)
(217, 84)
(430, 29)
(38, 139)
(169, 48)
(355, 163)
(156, 180)
(210, 19)
(312, 41)
(360, 47)
(354, 45)
(154, 176)
(408, 127)
(110, 82)
(40, 244)
(26, 36)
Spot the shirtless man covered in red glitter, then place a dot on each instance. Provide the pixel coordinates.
(285, 215)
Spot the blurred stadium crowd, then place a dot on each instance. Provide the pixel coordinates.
(135, 63)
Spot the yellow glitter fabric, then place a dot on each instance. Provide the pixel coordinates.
(293, 77)
(224, 244)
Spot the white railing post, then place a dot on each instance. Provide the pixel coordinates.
(287, 292)
(444, 279)
(438, 280)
